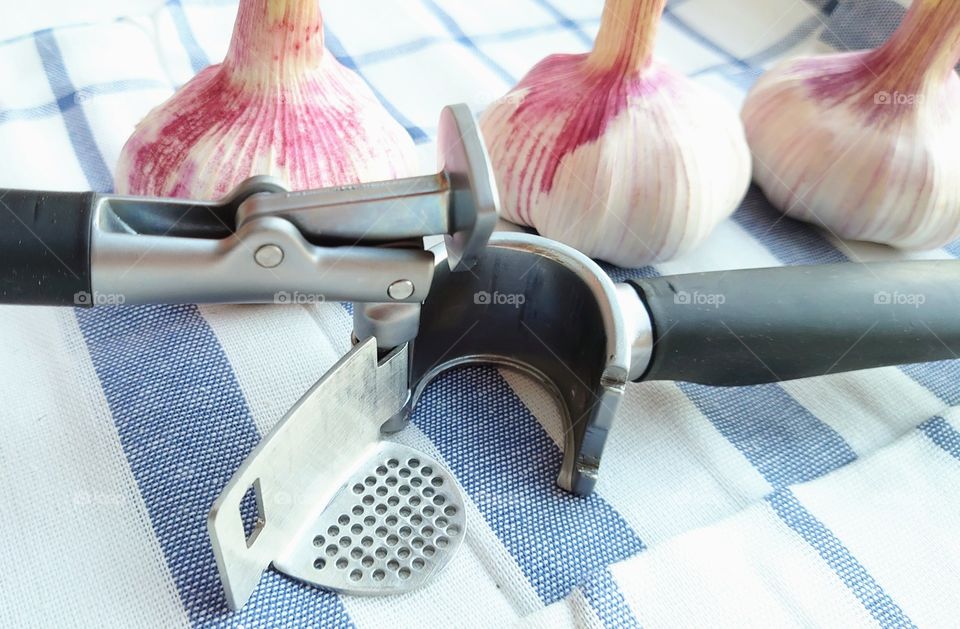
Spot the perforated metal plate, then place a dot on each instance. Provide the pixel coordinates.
(395, 523)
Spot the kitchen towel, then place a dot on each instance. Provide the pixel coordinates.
(825, 502)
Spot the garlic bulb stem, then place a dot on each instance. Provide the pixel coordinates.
(274, 39)
(628, 29)
(914, 63)
(923, 51)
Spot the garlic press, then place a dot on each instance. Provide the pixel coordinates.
(510, 299)
(339, 505)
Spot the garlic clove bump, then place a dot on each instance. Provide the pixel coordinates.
(867, 144)
(280, 104)
(615, 154)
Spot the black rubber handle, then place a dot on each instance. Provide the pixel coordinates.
(765, 325)
(45, 247)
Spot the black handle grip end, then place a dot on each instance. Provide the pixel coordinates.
(45, 247)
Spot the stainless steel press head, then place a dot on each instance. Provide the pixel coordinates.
(337, 506)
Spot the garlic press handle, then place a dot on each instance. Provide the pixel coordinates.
(85, 249)
(766, 325)
(45, 246)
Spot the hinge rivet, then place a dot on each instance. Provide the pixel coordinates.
(400, 290)
(269, 256)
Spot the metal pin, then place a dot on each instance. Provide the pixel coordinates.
(269, 256)
(400, 290)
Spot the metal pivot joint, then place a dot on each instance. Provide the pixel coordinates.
(259, 244)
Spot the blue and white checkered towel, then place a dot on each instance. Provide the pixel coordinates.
(826, 502)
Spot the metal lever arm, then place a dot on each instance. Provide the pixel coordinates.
(82, 249)
(459, 202)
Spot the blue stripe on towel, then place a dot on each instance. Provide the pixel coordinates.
(340, 52)
(943, 434)
(876, 601)
(78, 127)
(566, 22)
(75, 97)
(780, 437)
(463, 39)
(198, 58)
(185, 428)
(507, 464)
(606, 598)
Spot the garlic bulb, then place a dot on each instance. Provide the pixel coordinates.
(280, 104)
(614, 154)
(867, 143)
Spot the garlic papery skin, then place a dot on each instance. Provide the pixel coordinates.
(615, 154)
(280, 104)
(867, 144)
